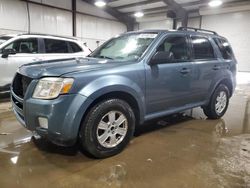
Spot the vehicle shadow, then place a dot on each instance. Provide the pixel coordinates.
(47, 146)
(154, 125)
(161, 123)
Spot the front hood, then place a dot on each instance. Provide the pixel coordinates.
(65, 66)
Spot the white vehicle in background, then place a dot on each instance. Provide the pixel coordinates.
(19, 49)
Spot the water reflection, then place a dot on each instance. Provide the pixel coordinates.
(114, 177)
(14, 159)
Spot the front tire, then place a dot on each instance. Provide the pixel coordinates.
(218, 104)
(107, 128)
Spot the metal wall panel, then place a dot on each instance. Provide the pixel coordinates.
(67, 4)
(13, 16)
(91, 29)
(50, 20)
(56, 3)
(162, 24)
(194, 22)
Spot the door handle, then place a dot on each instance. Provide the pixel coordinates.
(185, 71)
(216, 67)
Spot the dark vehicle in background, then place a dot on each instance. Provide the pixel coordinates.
(130, 79)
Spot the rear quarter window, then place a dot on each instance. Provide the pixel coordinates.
(75, 47)
(224, 47)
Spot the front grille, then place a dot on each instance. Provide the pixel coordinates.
(20, 85)
(17, 103)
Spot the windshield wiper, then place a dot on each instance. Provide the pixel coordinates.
(105, 57)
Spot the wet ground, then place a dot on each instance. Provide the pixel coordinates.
(183, 151)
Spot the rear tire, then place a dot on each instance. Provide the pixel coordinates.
(218, 103)
(107, 128)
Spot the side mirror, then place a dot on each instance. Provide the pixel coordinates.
(7, 52)
(161, 57)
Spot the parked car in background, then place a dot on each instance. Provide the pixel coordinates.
(132, 78)
(19, 49)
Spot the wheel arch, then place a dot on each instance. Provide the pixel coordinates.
(127, 97)
(117, 86)
(228, 82)
(229, 85)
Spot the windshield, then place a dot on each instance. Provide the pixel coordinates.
(4, 39)
(126, 47)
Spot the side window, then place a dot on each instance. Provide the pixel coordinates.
(56, 46)
(202, 48)
(74, 47)
(177, 46)
(225, 48)
(24, 45)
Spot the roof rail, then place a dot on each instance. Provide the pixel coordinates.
(48, 35)
(196, 30)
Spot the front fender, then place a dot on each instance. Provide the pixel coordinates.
(115, 83)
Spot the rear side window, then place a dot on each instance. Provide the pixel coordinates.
(225, 49)
(74, 47)
(56, 46)
(202, 48)
(29, 46)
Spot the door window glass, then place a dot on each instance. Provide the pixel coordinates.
(74, 47)
(24, 45)
(56, 46)
(202, 48)
(177, 47)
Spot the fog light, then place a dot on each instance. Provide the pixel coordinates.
(43, 122)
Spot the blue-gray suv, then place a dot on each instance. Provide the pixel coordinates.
(138, 76)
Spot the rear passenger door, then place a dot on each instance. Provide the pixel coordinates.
(206, 65)
(169, 85)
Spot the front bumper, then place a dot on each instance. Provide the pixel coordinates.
(64, 116)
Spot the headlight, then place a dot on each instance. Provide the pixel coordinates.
(50, 88)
